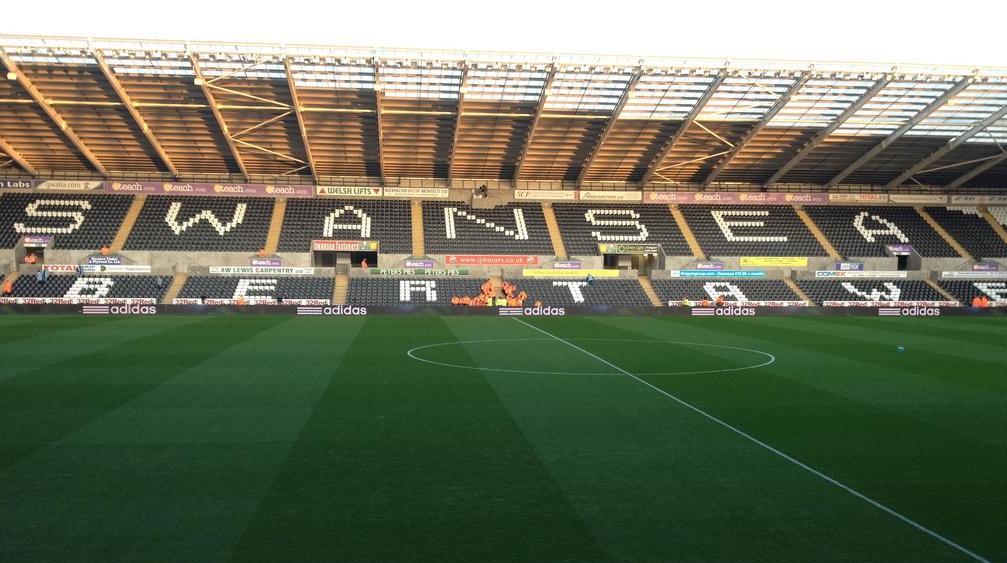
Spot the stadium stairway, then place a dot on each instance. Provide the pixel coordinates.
(175, 288)
(697, 251)
(648, 288)
(941, 231)
(419, 250)
(12, 276)
(275, 226)
(994, 223)
(340, 288)
(819, 235)
(797, 291)
(557, 238)
(497, 281)
(940, 289)
(127, 224)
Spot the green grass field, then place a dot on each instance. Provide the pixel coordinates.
(480, 439)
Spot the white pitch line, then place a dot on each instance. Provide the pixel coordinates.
(759, 442)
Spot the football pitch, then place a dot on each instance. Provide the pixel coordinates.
(484, 439)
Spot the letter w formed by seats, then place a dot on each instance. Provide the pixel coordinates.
(520, 231)
(171, 218)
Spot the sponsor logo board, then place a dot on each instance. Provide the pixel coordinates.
(532, 312)
(974, 275)
(418, 193)
(345, 245)
(17, 184)
(915, 311)
(601, 195)
(266, 262)
(115, 268)
(69, 185)
(348, 191)
(104, 260)
(858, 198)
(282, 271)
(920, 199)
(37, 241)
(545, 195)
(849, 266)
(773, 261)
(717, 274)
(608, 248)
(879, 274)
(428, 264)
(333, 311)
(729, 310)
(566, 265)
(493, 260)
(553, 273)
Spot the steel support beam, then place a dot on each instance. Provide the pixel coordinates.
(50, 111)
(950, 146)
(458, 123)
(751, 133)
(294, 97)
(17, 157)
(135, 113)
(686, 123)
(215, 108)
(959, 181)
(902, 130)
(609, 125)
(546, 88)
(836, 124)
(379, 93)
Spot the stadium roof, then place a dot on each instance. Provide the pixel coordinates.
(142, 109)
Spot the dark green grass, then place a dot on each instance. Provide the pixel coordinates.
(532, 440)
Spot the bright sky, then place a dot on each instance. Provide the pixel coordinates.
(963, 32)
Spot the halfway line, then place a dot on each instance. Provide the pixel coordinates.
(755, 440)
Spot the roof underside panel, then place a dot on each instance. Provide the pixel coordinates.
(902, 154)
(959, 161)
(26, 127)
(559, 147)
(89, 104)
(417, 137)
(630, 147)
(696, 153)
(342, 129)
(181, 120)
(765, 154)
(490, 138)
(995, 178)
(833, 155)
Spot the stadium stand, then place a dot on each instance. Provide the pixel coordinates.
(514, 228)
(965, 290)
(864, 231)
(578, 292)
(257, 287)
(746, 230)
(404, 291)
(740, 290)
(971, 230)
(91, 286)
(201, 223)
(585, 226)
(306, 220)
(869, 290)
(76, 221)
